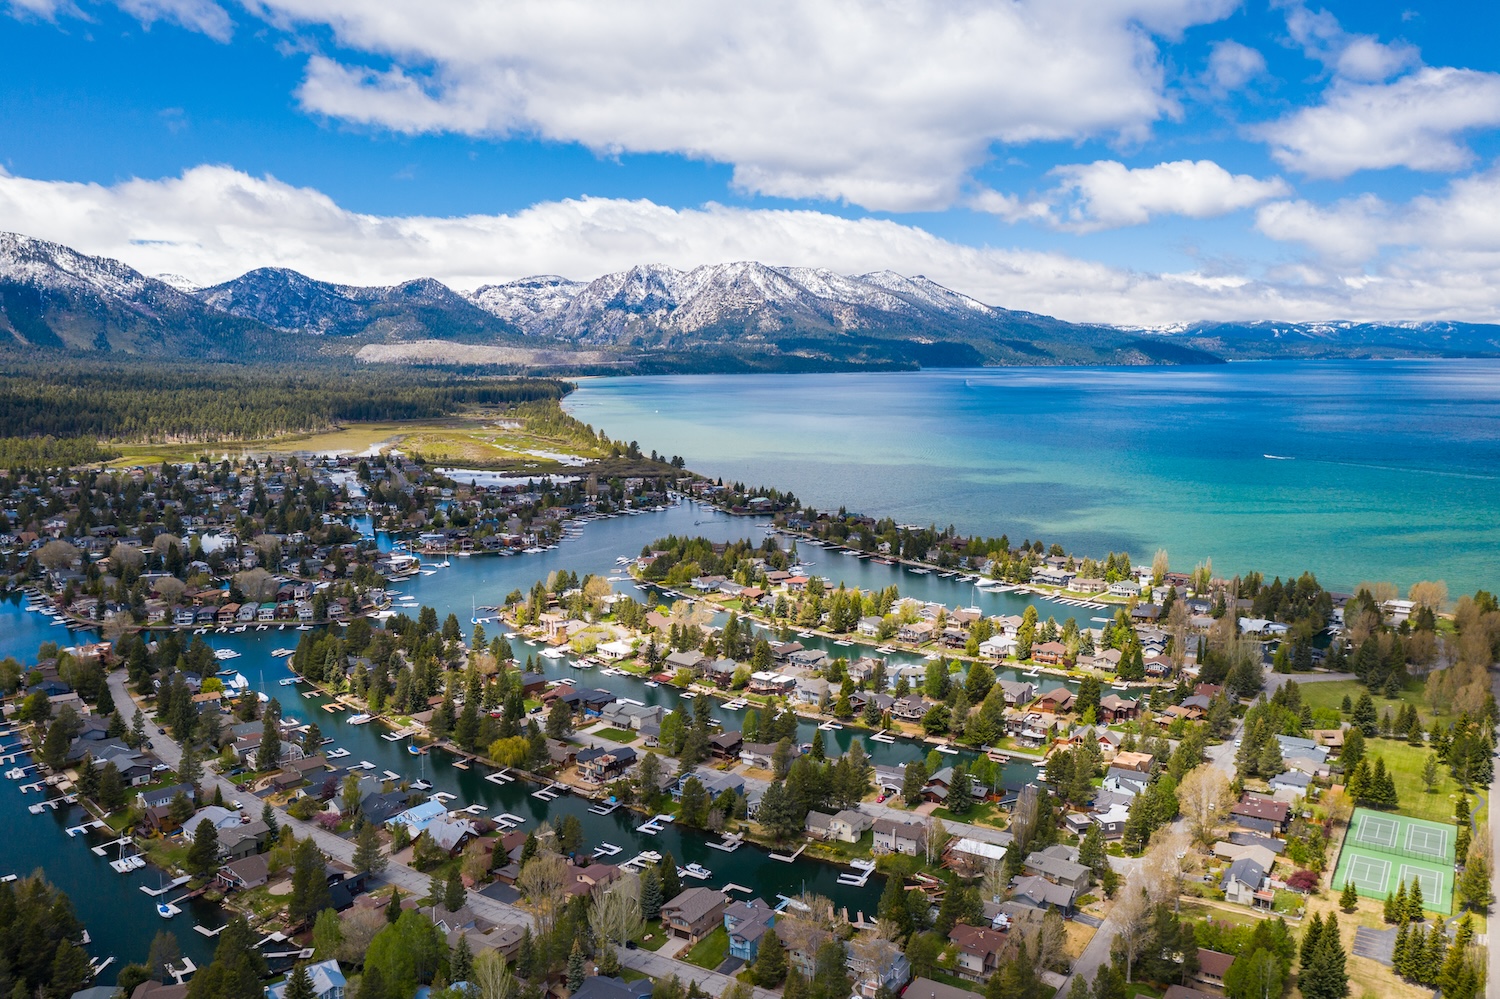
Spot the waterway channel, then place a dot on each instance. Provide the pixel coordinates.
(122, 919)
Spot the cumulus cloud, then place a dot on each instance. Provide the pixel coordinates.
(213, 223)
(1354, 57)
(1459, 228)
(1232, 65)
(1106, 194)
(889, 106)
(1414, 121)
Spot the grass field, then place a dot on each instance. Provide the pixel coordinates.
(1332, 694)
(711, 951)
(1404, 761)
(616, 734)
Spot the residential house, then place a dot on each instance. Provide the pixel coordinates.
(746, 923)
(247, 872)
(1293, 781)
(980, 950)
(893, 836)
(1212, 967)
(1056, 700)
(720, 672)
(875, 964)
(1139, 762)
(1258, 814)
(726, 745)
(909, 708)
(1059, 864)
(926, 988)
(327, 980)
(599, 765)
(1114, 709)
(1050, 653)
(846, 826)
(1017, 693)
(622, 714)
(1039, 893)
(1242, 881)
(694, 913)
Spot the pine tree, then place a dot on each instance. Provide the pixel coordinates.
(1310, 938)
(1432, 964)
(393, 907)
(1414, 901)
(576, 968)
(1398, 952)
(453, 891)
(651, 895)
(299, 985)
(367, 856)
(770, 961)
(461, 964)
(1349, 900)
(1326, 975)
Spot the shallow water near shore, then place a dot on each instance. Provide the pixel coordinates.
(1355, 470)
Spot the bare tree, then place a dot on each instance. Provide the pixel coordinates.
(164, 543)
(1023, 822)
(1159, 566)
(1050, 946)
(543, 883)
(169, 588)
(1337, 805)
(1205, 798)
(1429, 594)
(1179, 626)
(360, 927)
(491, 977)
(123, 556)
(1380, 591)
(937, 838)
(1161, 870)
(256, 584)
(616, 913)
(1132, 918)
(57, 555)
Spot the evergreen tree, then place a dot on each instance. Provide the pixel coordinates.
(367, 856)
(393, 907)
(912, 782)
(651, 899)
(576, 968)
(1326, 975)
(770, 961)
(203, 855)
(1398, 904)
(1310, 938)
(461, 964)
(1349, 900)
(299, 985)
(1414, 901)
(671, 884)
(453, 891)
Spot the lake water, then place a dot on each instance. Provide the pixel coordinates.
(101, 896)
(1356, 470)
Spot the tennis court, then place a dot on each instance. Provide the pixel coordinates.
(1383, 851)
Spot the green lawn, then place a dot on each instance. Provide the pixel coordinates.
(711, 951)
(616, 734)
(1404, 762)
(657, 937)
(1332, 694)
(981, 814)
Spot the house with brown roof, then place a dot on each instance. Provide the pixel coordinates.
(1056, 700)
(694, 913)
(1262, 814)
(1114, 708)
(1050, 653)
(979, 950)
(1212, 967)
(1139, 762)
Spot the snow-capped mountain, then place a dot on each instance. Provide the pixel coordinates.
(291, 301)
(747, 295)
(735, 316)
(53, 296)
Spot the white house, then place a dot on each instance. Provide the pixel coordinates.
(327, 981)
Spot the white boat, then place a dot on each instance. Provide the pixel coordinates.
(223, 654)
(289, 681)
(283, 653)
(652, 683)
(359, 719)
(695, 871)
(166, 910)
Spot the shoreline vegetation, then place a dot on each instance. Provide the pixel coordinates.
(1177, 670)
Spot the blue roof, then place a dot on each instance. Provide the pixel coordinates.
(419, 817)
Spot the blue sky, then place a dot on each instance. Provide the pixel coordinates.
(1143, 161)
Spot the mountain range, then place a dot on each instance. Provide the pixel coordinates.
(734, 316)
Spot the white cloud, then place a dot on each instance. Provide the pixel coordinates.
(1354, 57)
(196, 15)
(1107, 194)
(213, 223)
(885, 105)
(1232, 65)
(1459, 228)
(1412, 122)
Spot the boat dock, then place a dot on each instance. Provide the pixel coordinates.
(655, 824)
(640, 860)
(508, 821)
(103, 848)
(500, 777)
(865, 869)
(784, 858)
(550, 792)
(604, 807)
(732, 842)
(734, 887)
(883, 736)
(91, 824)
(606, 850)
(158, 892)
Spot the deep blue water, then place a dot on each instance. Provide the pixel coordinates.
(1356, 470)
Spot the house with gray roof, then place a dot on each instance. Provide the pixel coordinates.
(1241, 882)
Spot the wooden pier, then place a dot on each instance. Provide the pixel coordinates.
(785, 859)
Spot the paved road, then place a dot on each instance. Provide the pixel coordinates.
(1494, 951)
(415, 884)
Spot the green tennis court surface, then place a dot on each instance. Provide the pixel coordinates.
(1383, 851)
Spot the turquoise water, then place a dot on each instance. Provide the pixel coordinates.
(1356, 470)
